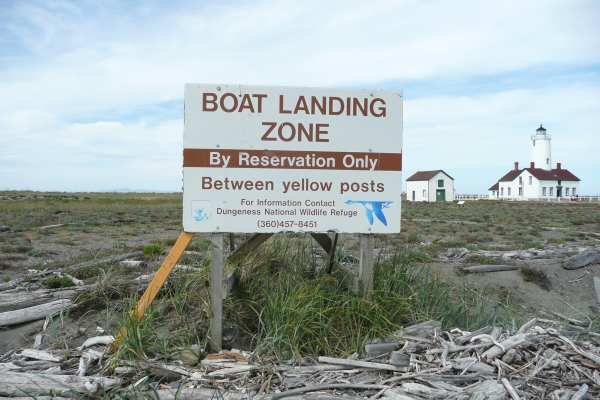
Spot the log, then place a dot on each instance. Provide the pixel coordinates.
(34, 313)
(10, 301)
(133, 263)
(40, 355)
(211, 394)
(597, 288)
(361, 364)
(23, 383)
(106, 260)
(380, 348)
(490, 268)
(400, 360)
(326, 387)
(581, 260)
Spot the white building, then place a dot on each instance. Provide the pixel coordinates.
(430, 186)
(539, 181)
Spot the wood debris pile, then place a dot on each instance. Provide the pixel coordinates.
(535, 361)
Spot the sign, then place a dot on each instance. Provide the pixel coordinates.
(281, 159)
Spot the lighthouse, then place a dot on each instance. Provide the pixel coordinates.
(540, 151)
(539, 181)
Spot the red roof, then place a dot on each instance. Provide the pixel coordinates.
(495, 187)
(554, 174)
(542, 175)
(511, 175)
(427, 175)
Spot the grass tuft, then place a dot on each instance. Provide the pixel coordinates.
(55, 283)
(537, 276)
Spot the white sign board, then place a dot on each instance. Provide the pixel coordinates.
(281, 159)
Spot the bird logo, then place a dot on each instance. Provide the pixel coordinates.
(373, 208)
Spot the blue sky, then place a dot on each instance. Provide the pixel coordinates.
(91, 92)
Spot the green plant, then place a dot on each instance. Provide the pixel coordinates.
(58, 282)
(153, 249)
(537, 276)
(6, 279)
(34, 252)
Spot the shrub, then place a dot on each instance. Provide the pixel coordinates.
(155, 248)
(55, 283)
(537, 276)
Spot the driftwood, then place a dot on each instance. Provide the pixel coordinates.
(532, 362)
(361, 364)
(580, 261)
(13, 300)
(380, 348)
(597, 288)
(19, 383)
(40, 355)
(490, 268)
(108, 339)
(34, 313)
(106, 260)
(211, 394)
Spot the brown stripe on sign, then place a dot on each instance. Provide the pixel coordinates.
(285, 159)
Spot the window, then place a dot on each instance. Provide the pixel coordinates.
(566, 191)
(547, 161)
(520, 180)
(508, 191)
(543, 191)
(530, 180)
(440, 183)
(551, 191)
(520, 191)
(573, 192)
(501, 191)
(534, 143)
(424, 193)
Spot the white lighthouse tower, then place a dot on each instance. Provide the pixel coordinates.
(540, 152)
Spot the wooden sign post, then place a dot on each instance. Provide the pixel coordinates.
(267, 159)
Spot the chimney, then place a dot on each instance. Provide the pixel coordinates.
(532, 165)
(557, 165)
(516, 165)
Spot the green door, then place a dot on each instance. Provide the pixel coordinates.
(440, 195)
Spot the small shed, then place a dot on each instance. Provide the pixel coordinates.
(430, 186)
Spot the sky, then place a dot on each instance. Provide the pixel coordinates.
(91, 92)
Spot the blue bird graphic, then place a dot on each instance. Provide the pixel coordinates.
(200, 215)
(373, 207)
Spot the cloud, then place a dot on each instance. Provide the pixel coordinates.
(92, 88)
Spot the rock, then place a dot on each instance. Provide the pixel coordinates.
(4, 228)
(580, 261)
(191, 355)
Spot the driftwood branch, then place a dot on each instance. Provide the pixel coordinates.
(105, 260)
(34, 313)
(28, 384)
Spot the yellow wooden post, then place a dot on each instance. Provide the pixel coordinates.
(159, 279)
